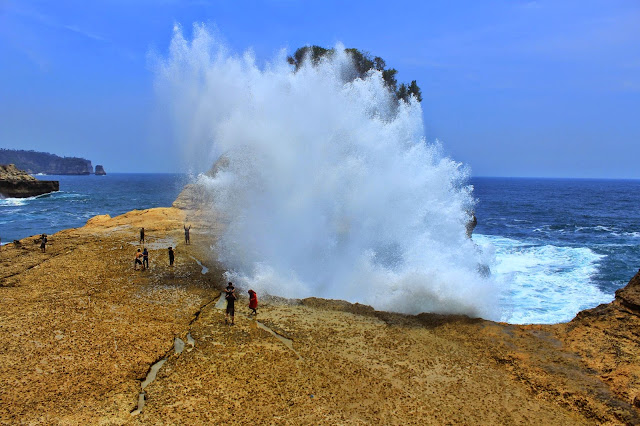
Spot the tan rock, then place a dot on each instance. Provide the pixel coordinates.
(81, 329)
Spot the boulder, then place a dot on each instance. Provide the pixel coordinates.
(195, 195)
(629, 295)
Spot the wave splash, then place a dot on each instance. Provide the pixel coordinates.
(543, 283)
(331, 189)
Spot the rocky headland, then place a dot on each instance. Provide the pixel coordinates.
(81, 331)
(16, 183)
(35, 162)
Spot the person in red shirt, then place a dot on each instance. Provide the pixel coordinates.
(253, 301)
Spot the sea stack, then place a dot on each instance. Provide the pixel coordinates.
(16, 183)
(100, 170)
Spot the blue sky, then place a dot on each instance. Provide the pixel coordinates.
(511, 88)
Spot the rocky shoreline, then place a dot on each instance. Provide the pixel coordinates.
(81, 330)
(15, 183)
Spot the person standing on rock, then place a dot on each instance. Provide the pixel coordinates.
(141, 235)
(137, 260)
(145, 259)
(171, 256)
(253, 302)
(230, 296)
(187, 240)
(43, 242)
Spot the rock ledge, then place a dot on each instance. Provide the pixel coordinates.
(16, 183)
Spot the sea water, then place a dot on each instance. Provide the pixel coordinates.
(561, 245)
(82, 197)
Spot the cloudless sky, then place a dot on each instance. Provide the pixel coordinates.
(511, 88)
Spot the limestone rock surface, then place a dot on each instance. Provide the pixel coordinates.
(81, 329)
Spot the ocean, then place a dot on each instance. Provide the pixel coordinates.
(82, 197)
(560, 245)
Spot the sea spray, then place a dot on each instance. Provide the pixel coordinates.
(330, 189)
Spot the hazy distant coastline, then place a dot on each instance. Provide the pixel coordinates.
(35, 162)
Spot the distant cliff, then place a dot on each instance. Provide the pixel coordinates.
(42, 162)
(100, 170)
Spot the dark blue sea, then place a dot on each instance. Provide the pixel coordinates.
(559, 245)
(82, 197)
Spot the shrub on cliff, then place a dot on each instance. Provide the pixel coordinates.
(363, 63)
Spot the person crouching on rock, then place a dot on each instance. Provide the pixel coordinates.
(230, 296)
(171, 256)
(138, 260)
(253, 302)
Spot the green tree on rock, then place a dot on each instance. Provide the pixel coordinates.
(363, 63)
(415, 91)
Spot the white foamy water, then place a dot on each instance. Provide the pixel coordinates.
(543, 284)
(17, 201)
(13, 201)
(331, 188)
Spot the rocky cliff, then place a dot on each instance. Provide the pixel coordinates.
(100, 170)
(15, 183)
(42, 162)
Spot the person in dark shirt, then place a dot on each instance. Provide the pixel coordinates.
(145, 259)
(171, 256)
(230, 296)
(141, 235)
(187, 240)
(43, 242)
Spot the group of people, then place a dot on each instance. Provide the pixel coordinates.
(231, 297)
(142, 257)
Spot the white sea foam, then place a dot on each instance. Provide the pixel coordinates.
(15, 201)
(331, 188)
(544, 283)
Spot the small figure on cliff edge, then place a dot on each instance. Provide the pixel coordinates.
(141, 235)
(138, 261)
(186, 234)
(253, 302)
(230, 296)
(43, 242)
(171, 256)
(145, 259)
